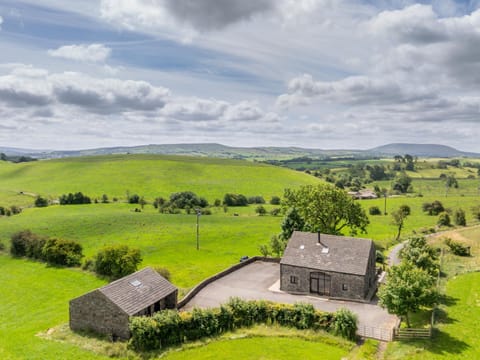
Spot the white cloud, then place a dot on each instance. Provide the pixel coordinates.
(1, 22)
(95, 53)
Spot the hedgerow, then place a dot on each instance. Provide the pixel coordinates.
(170, 327)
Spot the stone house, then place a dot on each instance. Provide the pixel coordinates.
(328, 265)
(107, 310)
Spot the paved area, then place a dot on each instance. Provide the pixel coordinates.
(394, 256)
(259, 280)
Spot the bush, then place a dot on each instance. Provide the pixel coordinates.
(459, 218)
(275, 211)
(433, 208)
(235, 200)
(260, 210)
(476, 211)
(456, 248)
(444, 219)
(26, 243)
(134, 199)
(275, 200)
(256, 200)
(163, 272)
(74, 199)
(41, 202)
(345, 324)
(117, 261)
(170, 327)
(185, 199)
(62, 252)
(374, 210)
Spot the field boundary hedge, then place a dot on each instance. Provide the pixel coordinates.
(221, 274)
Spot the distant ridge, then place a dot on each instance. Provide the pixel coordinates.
(252, 153)
(424, 150)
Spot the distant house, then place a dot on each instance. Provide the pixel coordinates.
(328, 265)
(363, 194)
(107, 310)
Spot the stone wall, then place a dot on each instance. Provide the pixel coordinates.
(93, 311)
(354, 284)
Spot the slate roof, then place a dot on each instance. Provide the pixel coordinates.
(345, 254)
(137, 291)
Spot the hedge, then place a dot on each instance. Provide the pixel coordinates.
(170, 327)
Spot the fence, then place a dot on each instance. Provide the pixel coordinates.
(403, 334)
(383, 334)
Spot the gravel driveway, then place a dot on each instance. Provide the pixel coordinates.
(259, 280)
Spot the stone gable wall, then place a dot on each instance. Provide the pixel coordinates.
(93, 311)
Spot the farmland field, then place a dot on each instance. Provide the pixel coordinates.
(35, 297)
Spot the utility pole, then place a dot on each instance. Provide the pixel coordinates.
(199, 212)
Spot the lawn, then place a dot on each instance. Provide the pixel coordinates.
(265, 348)
(457, 329)
(34, 298)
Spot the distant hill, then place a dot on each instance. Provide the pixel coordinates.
(251, 153)
(423, 150)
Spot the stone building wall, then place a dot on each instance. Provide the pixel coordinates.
(93, 311)
(295, 279)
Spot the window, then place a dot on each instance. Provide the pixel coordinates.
(344, 287)
(293, 280)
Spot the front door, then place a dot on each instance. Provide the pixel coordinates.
(320, 283)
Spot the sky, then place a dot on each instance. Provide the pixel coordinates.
(328, 74)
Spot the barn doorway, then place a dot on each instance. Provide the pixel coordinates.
(320, 283)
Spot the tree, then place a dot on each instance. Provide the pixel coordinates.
(402, 183)
(62, 252)
(278, 245)
(407, 289)
(41, 202)
(275, 200)
(104, 199)
(235, 200)
(459, 218)
(433, 208)
(450, 181)
(117, 261)
(324, 208)
(398, 218)
(444, 219)
(417, 252)
(183, 199)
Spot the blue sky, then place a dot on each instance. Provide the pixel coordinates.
(311, 73)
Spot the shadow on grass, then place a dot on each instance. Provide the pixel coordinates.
(441, 343)
(447, 300)
(441, 317)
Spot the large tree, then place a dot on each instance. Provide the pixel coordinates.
(398, 218)
(407, 289)
(324, 208)
(417, 252)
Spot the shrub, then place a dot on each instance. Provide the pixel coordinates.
(476, 211)
(62, 252)
(159, 202)
(374, 210)
(15, 209)
(433, 208)
(444, 219)
(459, 218)
(260, 210)
(345, 324)
(41, 202)
(256, 200)
(235, 200)
(457, 248)
(275, 211)
(134, 199)
(163, 272)
(74, 199)
(275, 200)
(117, 261)
(187, 198)
(22, 243)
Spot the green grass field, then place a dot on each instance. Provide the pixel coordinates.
(35, 297)
(457, 328)
(145, 175)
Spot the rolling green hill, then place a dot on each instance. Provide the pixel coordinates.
(145, 175)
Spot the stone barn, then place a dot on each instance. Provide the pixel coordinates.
(107, 310)
(328, 265)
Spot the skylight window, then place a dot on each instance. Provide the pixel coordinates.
(325, 250)
(136, 282)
